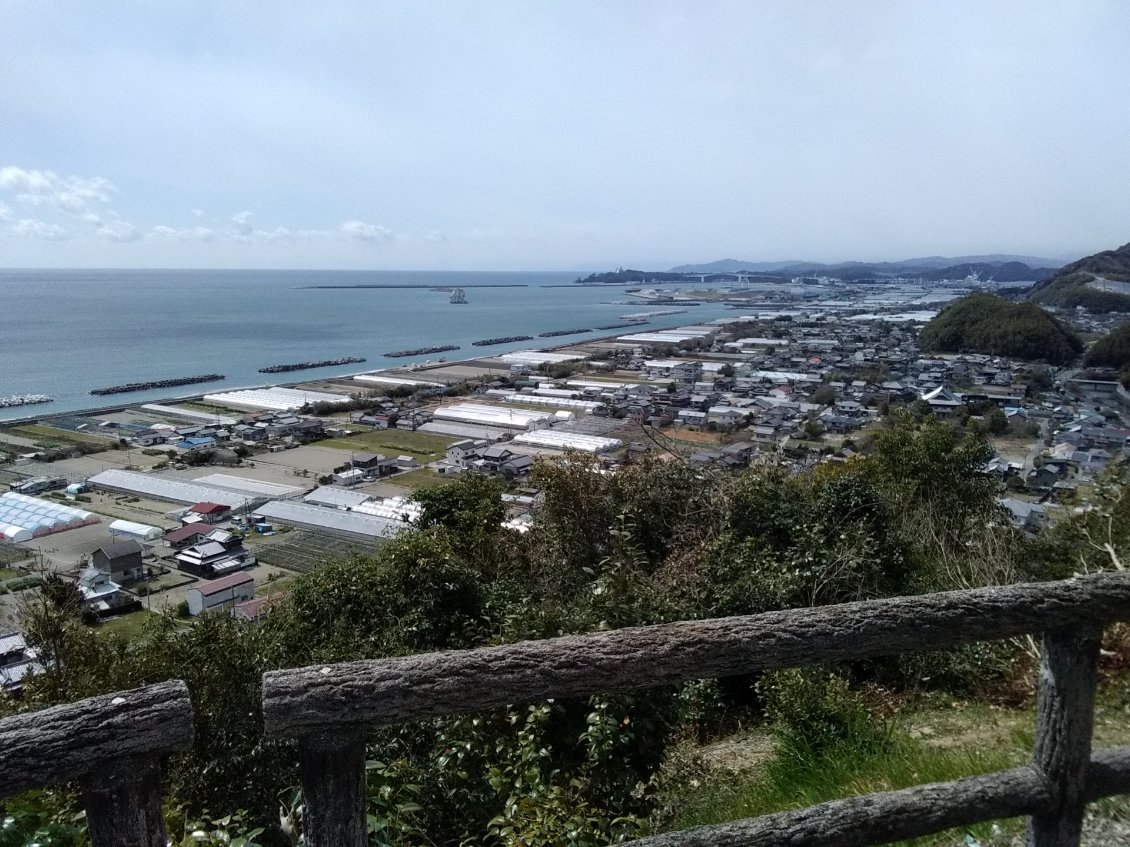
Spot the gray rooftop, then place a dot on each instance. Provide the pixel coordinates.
(331, 520)
(170, 489)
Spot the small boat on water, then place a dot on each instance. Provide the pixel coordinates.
(457, 296)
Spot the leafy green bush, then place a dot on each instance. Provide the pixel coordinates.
(811, 710)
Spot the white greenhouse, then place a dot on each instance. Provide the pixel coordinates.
(273, 399)
(556, 440)
(23, 518)
(498, 416)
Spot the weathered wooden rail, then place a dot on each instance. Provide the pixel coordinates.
(328, 708)
(112, 745)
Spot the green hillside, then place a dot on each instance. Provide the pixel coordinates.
(985, 323)
(1082, 283)
(1112, 350)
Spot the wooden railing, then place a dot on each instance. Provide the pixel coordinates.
(112, 744)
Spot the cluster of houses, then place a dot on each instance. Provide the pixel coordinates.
(251, 430)
(479, 455)
(365, 467)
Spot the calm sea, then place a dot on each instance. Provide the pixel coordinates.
(65, 332)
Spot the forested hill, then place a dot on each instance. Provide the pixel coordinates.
(1082, 283)
(629, 275)
(1112, 350)
(985, 323)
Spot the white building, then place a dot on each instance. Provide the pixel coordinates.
(219, 594)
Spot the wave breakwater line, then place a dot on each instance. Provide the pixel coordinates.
(421, 351)
(305, 366)
(504, 339)
(556, 332)
(13, 400)
(157, 383)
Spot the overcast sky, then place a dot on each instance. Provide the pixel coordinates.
(558, 135)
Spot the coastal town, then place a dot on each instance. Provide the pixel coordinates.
(218, 501)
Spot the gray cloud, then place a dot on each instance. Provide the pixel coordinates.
(242, 221)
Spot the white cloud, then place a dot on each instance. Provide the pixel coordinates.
(242, 221)
(191, 233)
(6, 215)
(40, 230)
(361, 231)
(435, 236)
(74, 194)
(119, 231)
(278, 235)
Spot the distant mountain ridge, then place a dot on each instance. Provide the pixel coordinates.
(1013, 268)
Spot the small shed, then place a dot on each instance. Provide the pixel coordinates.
(137, 531)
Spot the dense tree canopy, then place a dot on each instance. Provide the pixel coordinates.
(658, 541)
(985, 323)
(1112, 350)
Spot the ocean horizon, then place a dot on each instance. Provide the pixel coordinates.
(66, 331)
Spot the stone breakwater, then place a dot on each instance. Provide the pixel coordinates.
(13, 400)
(505, 339)
(623, 325)
(157, 383)
(421, 351)
(557, 332)
(305, 366)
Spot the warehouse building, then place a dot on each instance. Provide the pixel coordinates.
(251, 487)
(333, 521)
(171, 490)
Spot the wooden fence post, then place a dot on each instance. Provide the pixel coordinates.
(123, 804)
(1065, 717)
(332, 764)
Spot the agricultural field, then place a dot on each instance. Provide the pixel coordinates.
(9, 555)
(422, 446)
(420, 478)
(50, 434)
(304, 551)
